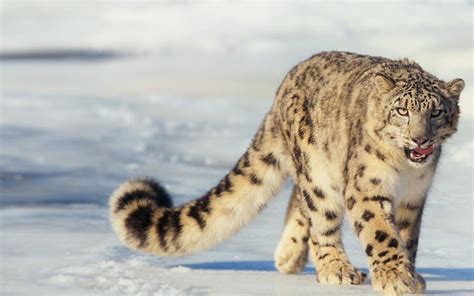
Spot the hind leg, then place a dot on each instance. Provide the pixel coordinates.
(325, 247)
(291, 254)
(325, 215)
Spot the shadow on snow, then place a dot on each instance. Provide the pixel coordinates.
(430, 273)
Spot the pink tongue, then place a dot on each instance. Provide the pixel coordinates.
(425, 151)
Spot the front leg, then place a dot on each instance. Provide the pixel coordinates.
(369, 201)
(410, 210)
(408, 222)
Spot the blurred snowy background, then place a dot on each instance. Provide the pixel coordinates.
(93, 93)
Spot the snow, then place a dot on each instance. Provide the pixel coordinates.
(180, 100)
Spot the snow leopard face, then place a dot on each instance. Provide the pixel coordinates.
(421, 112)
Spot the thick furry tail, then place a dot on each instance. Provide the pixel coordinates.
(142, 214)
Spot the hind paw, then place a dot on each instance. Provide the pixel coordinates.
(291, 258)
(394, 279)
(340, 273)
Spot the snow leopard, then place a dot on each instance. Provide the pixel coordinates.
(357, 135)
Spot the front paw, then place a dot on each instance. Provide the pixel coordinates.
(394, 278)
(340, 272)
(420, 284)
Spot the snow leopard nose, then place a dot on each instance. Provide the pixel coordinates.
(420, 140)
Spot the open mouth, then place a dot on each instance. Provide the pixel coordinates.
(419, 154)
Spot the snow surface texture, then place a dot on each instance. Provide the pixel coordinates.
(95, 93)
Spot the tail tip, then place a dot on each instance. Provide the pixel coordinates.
(140, 189)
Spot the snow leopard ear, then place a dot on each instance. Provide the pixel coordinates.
(383, 83)
(455, 87)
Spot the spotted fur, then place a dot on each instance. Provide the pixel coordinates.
(346, 128)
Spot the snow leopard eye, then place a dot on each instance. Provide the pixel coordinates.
(436, 112)
(402, 111)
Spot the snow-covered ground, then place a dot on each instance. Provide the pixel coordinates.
(176, 91)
